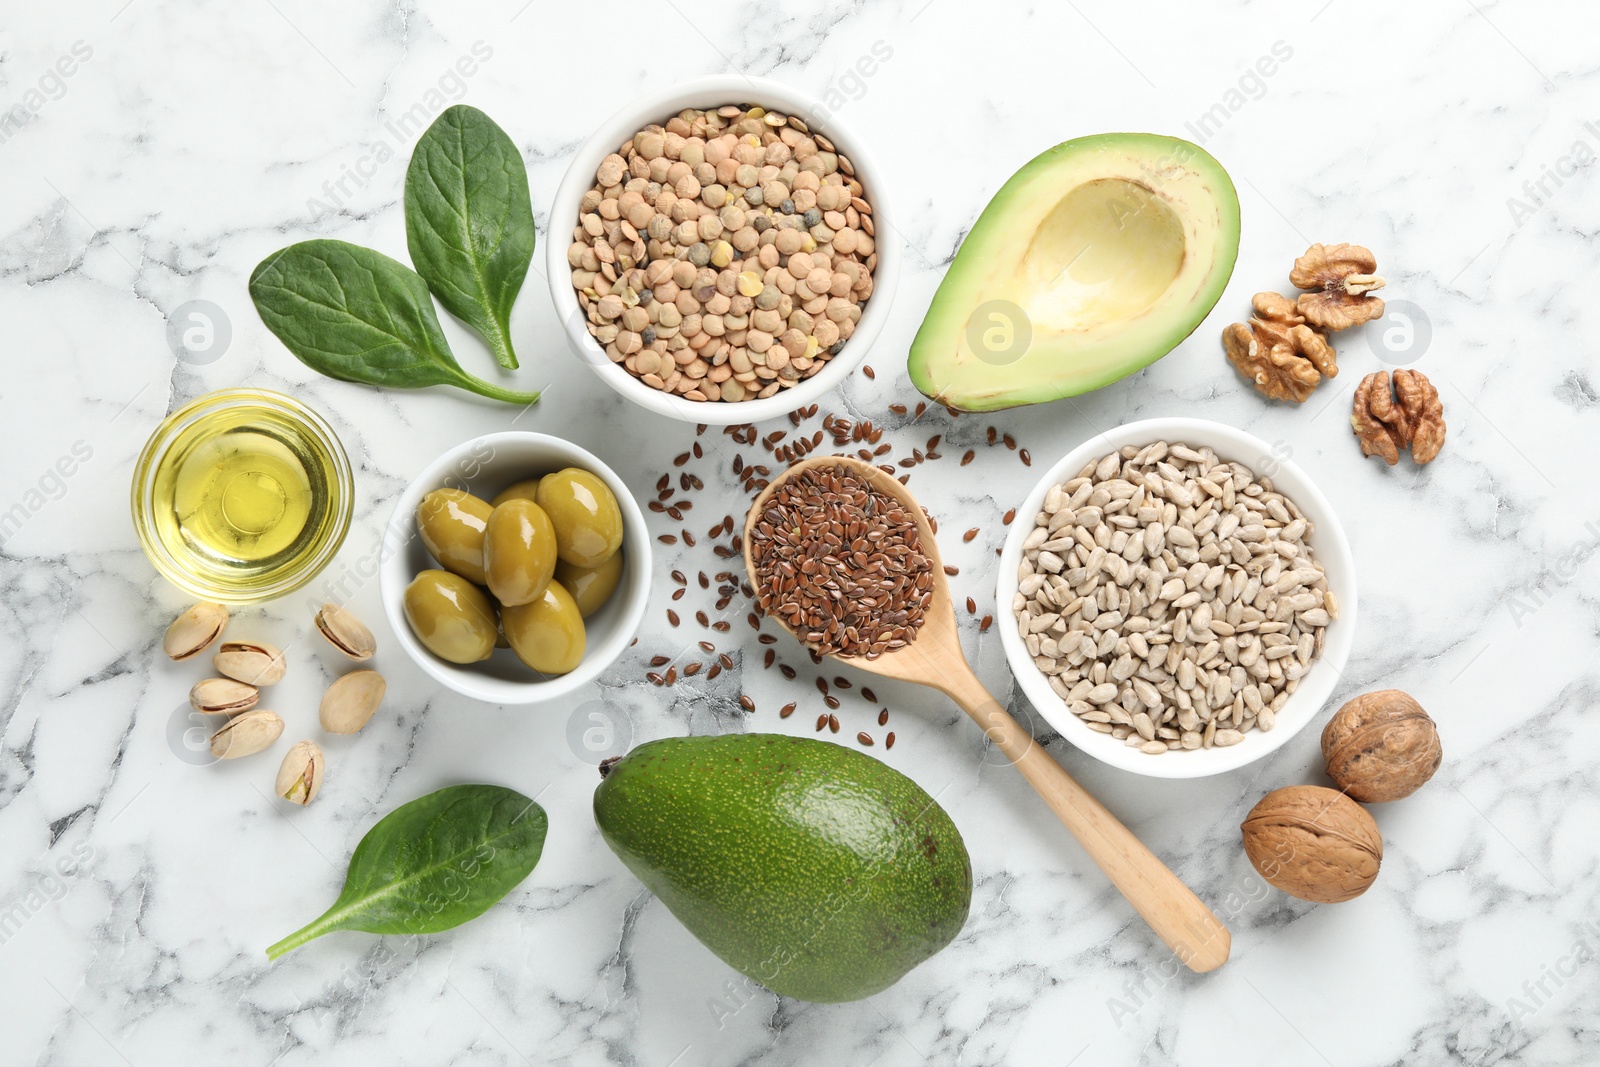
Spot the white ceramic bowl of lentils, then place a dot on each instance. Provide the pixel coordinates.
(1329, 547)
(657, 108)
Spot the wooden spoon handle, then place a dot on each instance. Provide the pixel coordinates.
(1179, 917)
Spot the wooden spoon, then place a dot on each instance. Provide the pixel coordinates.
(935, 659)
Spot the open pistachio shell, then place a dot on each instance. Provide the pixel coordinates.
(346, 632)
(194, 630)
(246, 734)
(300, 776)
(223, 696)
(255, 662)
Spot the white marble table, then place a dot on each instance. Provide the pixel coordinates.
(137, 889)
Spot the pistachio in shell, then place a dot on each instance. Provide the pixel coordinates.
(223, 696)
(351, 701)
(246, 734)
(346, 632)
(300, 776)
(255, 662)
(1313, 843)
(193, 631)
(1381, 746)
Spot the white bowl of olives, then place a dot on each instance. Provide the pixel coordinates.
(515, 568)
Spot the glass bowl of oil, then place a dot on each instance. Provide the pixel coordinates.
(242, 495)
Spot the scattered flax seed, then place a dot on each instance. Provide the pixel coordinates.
(1011, 442)
(922, 406)
(833, 723)
(988, 621)
(677, 594)
(868, 695)
(672, 616)
(663, 481)
(888, 742)
(660, 661)
(716, 669)
(832, 701)
(702, 618)
(969, 535)
(722, 626)
(898, 409)
(883, 717)
(688, 538)
(866, 368)
(680, 460)
(1009, 518)
(767, 639)
(822, 686)
(822, 721)
(865, 738)
(786, 711)
(951, 571)
(787, 671)
(667, 539)
(1027, 459)
(840, 682)
(692, 669)
(993, 434)
(726, 661)
(680, 578)
(696, 450)
(672, 675)
(968, 456)
(655, 679)
(746, 702)
(972, 606)
(766, 661)
(707, 646)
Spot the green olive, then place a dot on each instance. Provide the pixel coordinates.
(587, 520)
(451, 523)
(451, 617)
(527, 489)
(519, 552)
(590, 587)
(547, 634)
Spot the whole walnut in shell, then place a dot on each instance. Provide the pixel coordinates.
(1381, 746)
(1313, 843)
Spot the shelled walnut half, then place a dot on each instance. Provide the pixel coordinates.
(1411, 415)
(1338, 281)
(1283, 357)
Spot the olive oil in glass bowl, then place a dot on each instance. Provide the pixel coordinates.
(242, 495)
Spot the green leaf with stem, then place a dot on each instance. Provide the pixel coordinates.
(469, 222)
(433, 864)
(359, 316)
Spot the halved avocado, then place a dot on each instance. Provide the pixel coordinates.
(1095, 260)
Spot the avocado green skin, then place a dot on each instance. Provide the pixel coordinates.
(951, 304)
(815, 870)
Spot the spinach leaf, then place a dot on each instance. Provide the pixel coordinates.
(469, 222)
(434, 863)
(355, 314)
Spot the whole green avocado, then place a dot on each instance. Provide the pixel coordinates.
(815, 870)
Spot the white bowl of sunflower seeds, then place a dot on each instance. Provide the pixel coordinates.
(1183, 602)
